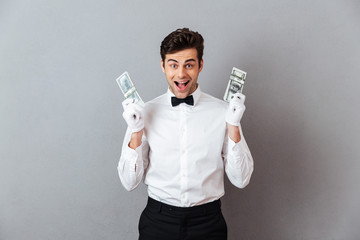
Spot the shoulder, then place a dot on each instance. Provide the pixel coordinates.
(212, 101)
(158, 102)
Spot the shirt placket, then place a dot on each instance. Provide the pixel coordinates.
(183, 156)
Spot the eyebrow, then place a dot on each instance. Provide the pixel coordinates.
(188, 60)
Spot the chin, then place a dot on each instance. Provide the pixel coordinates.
(181, 95)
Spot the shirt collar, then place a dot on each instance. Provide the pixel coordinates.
(196, 95)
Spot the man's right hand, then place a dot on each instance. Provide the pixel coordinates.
(133, 115)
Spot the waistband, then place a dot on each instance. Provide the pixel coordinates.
(206, 208)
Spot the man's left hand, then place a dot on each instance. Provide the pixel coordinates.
(236, 109)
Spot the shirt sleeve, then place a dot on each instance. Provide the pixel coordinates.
(238, 161)
(132, 163)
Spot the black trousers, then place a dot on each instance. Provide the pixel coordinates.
(160, 221)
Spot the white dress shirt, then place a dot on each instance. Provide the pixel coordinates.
(184, 152)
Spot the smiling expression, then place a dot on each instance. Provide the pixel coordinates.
(182, 69)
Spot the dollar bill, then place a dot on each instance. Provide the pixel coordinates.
(236, 83)
(128, 88)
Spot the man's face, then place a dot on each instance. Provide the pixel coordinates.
(182, 70)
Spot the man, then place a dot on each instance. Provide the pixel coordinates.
(180, 144)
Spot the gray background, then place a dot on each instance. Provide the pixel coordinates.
(61, 127)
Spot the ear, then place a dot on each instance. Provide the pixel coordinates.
(201, 65)
(162, 65)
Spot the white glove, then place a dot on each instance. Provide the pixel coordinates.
(236, 109)
(133, 115)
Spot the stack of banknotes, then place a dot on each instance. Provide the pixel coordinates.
(128, 88)
(236, 83)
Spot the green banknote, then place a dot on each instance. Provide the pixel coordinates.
(236, 83)
(128, 88)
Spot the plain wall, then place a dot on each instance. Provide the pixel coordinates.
(61, 125)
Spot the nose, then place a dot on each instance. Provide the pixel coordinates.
(181, 72)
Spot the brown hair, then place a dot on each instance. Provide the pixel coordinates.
(181, 39)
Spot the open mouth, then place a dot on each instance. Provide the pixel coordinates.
(182, 85)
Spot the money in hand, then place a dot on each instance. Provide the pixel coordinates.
(128, 89)
(236, 83)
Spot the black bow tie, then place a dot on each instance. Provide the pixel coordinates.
(176, 101)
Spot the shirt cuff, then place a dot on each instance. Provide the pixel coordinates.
(236, 149)
(133, 155)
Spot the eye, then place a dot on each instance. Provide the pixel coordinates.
(188, 66)
(173, 65)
